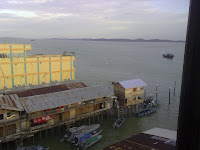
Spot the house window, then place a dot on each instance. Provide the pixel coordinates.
(134, 89)
(10, 115)
(134, 98)
(1, 116)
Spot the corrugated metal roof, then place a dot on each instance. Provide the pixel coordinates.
(49, 89)
(57, 99)
(166, 133)
(10, 102)
(127, 84)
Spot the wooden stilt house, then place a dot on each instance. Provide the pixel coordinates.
(130, 92)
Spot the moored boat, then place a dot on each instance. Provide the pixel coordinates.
(87, 143)
(73, 132)
(118, 122)
(171, 56)
(34, 147)
(145, 112)
(150, 102)
(82, 137)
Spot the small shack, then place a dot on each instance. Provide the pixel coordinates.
(130, 92)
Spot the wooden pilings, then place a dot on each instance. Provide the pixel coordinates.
(156, 91)
(174, 87)
(169, 95)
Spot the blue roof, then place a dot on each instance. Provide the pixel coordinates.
(127, 84)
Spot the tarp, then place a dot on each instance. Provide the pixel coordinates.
(85, 137)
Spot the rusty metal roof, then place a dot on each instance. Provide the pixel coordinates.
(10, 102)
(67, 97)
(143, 141)
(49, 89)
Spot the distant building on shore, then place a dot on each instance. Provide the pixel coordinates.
(17, 69)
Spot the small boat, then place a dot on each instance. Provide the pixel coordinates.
(34, 147)
(82, 137)
(170, 56)
(87, 143)
(150, 102)
(118, 122)
(73, 132)
(145, 112)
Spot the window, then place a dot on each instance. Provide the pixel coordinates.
(134, 89)
(1, 116)
(10, 115)
(134, 98)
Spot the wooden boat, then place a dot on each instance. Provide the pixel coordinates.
(34, 147)
(145, 112)
(118, 122)
(82, 137)
(170, 56)
(73, 132)
(87, 143)
(150, 102)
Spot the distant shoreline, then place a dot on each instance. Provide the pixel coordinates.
(103, 39)
(123, 40)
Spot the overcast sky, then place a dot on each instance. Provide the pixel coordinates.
(164, 19)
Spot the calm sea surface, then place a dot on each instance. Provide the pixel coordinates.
(104, 62)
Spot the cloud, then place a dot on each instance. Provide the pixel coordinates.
(85, 18)
(26, 14)
(28, 1)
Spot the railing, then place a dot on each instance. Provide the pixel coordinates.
(68, 120)
(8, 121)
(134, 102)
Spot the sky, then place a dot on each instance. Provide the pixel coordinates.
(148, 19)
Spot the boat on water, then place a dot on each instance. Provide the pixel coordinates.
(82, 137)
(73, 132)
(151, 102)
(89, 142)
(170, 56)
(34, 147)
(118, 122)
(145, 112)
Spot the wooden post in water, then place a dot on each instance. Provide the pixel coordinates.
(174, 87)
(156, 91)
(89, 120)
(7, 145)
(169, 95)
(46, 133)
(68, 126)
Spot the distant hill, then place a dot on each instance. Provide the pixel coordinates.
(104, 39)
(121, 40)
(131, 40)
